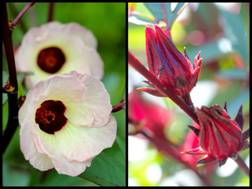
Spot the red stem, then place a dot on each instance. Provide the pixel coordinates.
(167, 148)
(50, 12)
(21, 14)
(242, 165)
(119, 106)
(12, 97)
(245, 134)
(14, 12)
(135, 63)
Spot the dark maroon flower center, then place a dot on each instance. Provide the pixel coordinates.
(51, 59)
(50, 116)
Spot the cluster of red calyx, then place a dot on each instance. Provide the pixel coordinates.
(217, 135)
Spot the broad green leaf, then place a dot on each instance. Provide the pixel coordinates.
(55, 179)
(108, 168)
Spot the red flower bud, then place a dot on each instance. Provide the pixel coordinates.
(220, 137)
(192, 141)
(173, 69)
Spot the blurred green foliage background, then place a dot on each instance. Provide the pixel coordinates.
(227, 69)
(107, 22)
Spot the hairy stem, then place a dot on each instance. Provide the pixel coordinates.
(135, 63)
(21, 14)
(242, 165)
(50, 12)
(12, 97)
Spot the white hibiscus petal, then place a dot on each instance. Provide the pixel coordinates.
(91, 58)
(41, 162)
(34, 98)
(77, 44)
(71, 168)
(79, 143)
(87, 37)
(90, 141)
(79, 115)
(95, 104)
(26, 145)
(38, 160)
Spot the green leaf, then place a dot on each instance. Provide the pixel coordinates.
(55, 179)
(115, 84)
(107, 169)
(235, 104)
(14, 177)
(13, 153)
(5, 114)
(156, 9)
(209, 51)
(162, 11)
(235, 31)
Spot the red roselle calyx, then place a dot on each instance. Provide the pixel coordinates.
(153, 117)
(220, 137)
(173, 69)
(190, 141)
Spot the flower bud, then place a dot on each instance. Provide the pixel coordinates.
(220, 137)
(173, 69)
